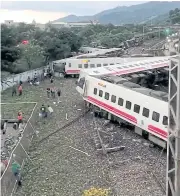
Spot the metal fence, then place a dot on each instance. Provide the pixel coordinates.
(8, 180)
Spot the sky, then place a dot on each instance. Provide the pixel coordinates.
(45, 11)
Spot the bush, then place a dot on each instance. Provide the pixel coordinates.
(96, 192)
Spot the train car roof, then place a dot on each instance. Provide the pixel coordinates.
(125, 83)
(129, 59)
(129, 67)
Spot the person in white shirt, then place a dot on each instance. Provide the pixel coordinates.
(50, 110)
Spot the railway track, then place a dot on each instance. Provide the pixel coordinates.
(136, 163)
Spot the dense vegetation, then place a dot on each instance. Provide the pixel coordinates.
(52, 44)
(112, 36)
(43, 46)
(174, 16)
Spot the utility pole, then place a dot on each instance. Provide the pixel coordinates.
(173, 144)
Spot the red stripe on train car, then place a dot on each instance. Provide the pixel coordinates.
(72, 71)
(113, 109)
(152, 128)
(157, 131)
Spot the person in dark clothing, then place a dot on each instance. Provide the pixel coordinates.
(48, 92)
(58, 94)
(4, 127)
(51, 79)
(14, 91)
(35, 77)
(53, 92)
(43, 111)
(16, 168)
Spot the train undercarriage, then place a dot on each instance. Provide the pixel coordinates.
(100, 113)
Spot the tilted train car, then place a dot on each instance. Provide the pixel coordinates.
(128, 67)
(118, 99)
(72, 66)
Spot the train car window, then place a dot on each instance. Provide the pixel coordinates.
(136, 108)
(85, 66)
(80, 66)
(155, 116)
(92, 65)
(113, 99)
(106, 96)
(119, 67)
(69, 64)
(165, 120)
(100, 93)
(105, 64)
(81, 82)
(128, 105)
(98, 65)
(145, 112)
(95, 91)
(120, 101)
(111, 63)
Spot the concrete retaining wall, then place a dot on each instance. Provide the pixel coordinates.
(14, 79)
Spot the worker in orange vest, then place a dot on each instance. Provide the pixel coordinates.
(20, 90)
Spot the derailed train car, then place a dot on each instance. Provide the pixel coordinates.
(72, 66)
(119, 98)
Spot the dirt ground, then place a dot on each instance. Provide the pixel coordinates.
(67, 162)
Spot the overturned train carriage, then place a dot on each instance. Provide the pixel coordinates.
(72, 66)
(123, 98)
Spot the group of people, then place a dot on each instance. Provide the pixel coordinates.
(20, 89)
(34, 81)
(43, 111)
(52, 91)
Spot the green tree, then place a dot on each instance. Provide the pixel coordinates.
(31, 52)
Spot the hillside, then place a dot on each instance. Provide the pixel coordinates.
(126, 15)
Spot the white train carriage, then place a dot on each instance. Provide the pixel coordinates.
(127, 67)
(146, 109)
(72, 66)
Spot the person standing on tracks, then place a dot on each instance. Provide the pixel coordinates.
(58, 94)
(16, 168)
